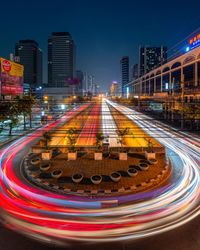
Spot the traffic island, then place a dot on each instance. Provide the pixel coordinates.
(87, 177)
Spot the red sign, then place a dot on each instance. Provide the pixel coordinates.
(11, 77)
(6, 65)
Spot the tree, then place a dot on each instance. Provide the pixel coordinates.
(122, 134)
(99, 140)
(25, 105)
(9, 111)
(1, 129)
(12, 114)
(2, 118)
(71, 136)
(30, 102)
(22, 109)
(192, 112)
(149, 145)
(13, 123)
(47, 137)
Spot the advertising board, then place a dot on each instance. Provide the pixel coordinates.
(11, 77)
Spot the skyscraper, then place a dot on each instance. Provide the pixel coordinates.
(61, 59)
(150, 58)
(30, 56)
(80, 77)
(89, 85)
(124, 65)
(134, 71)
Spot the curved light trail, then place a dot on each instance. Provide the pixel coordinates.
(60, 218)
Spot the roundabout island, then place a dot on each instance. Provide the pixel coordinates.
(86, 176)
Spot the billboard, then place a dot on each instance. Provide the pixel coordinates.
(11, 77)
(193, 42)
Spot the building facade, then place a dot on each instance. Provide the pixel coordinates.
(61, 60)
(89, 86)
(124, 67)
(80, 77)
(175, 85)
(115, 89)
(150, 58)
(134, 72)
(30, 56)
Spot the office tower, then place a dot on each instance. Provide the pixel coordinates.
(134, 71)
(150, 58)
(115, 89)
(80, 78)
(30, 56)
(61, 59)
(124, 65)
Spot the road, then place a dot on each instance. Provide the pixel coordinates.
(186, 237)
(56, 218)
(108, 126)
(59, 137)
(87, 136)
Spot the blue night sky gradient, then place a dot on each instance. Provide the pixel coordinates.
(103, 31)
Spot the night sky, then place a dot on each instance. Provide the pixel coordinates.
(103, 30)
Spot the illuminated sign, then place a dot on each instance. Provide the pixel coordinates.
(11, 77)
(193, 42)
(14, 69)
(6, 65)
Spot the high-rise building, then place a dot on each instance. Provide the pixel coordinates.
(124, 65)
(61, 59)
(80, 77)
(150, 58)
(30, 56)
(114, 89)
(89, 86)
(134, 71)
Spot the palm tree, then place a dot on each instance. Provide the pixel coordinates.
(99, 140)
(122, 133)
(47, 137)
(71, 136)
(150, 145)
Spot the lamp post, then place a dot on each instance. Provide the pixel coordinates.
(173, 101)
(182, 103)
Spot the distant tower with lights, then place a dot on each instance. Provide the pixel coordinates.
(124, 66)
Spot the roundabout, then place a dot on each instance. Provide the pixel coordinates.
(47, 215)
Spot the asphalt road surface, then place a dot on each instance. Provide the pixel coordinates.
(186, 237)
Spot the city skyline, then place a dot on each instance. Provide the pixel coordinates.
(101, 42)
